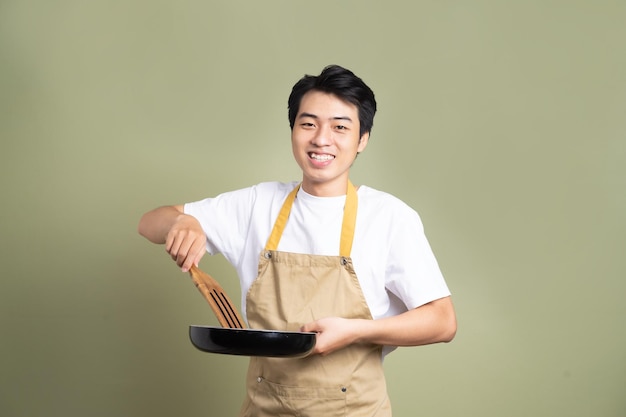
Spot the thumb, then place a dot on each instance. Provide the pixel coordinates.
(310, 327)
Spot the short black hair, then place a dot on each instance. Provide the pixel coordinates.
(342, 83)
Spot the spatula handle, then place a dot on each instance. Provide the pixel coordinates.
(220, 303)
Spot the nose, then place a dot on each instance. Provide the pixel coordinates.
(322, 137)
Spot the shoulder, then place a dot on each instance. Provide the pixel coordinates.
(378, 206)
(272, 191)
(373, 198)
(265, 193)
(260, 191)
(274, 187)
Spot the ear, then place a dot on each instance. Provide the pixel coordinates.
(363, 142)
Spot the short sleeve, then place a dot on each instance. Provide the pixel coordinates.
(412, 271)
(225, 220)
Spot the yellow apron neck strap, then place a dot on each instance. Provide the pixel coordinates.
(281, 220)
(349, 221)
(347, 229)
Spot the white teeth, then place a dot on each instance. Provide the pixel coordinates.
(321, 157)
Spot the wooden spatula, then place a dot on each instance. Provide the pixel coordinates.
(220, 303)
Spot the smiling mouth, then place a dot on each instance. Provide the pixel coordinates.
(321, 157)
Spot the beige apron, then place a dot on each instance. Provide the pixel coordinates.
(293, 289)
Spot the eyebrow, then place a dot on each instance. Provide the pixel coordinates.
(313, 116)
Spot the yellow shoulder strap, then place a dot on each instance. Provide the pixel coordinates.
(349, 221)
(281, 220)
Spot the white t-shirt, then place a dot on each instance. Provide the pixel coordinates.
(392, 259)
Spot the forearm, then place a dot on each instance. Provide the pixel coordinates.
(156, 224)
(431, 323)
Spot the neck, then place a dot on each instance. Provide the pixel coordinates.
(325, 189)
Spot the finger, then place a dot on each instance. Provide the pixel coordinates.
(310, 327)
(193, 254)
(198, 257)
(172, 245)
(186, 264)
(169, 240)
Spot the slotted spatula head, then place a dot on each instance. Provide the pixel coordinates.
(220, 303)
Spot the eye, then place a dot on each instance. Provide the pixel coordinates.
(341, 127)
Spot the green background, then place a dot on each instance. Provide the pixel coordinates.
(502, 123)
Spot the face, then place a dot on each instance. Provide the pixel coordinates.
(325, 141)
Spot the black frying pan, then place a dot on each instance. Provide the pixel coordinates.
(251, 342)
(233, 338)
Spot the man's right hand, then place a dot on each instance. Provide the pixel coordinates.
(181, 233)
(186, 242)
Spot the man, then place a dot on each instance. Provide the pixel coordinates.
(349, 263)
